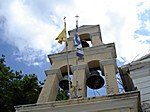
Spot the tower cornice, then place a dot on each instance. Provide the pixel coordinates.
(87, 51)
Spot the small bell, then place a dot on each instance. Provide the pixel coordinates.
(64, 83)
(94, 81)
(84, 43)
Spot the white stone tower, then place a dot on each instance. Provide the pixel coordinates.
(98, 56)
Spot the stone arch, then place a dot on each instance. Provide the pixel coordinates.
(64, 70)
(86, 38)
(94, 78)
(94, 64)
(64, 82)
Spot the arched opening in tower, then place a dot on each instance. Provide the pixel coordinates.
(66, 77)
(85, 40)
(95, 80)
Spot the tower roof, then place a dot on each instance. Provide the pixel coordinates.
(82, 27)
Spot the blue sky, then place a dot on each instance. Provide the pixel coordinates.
(28, 29)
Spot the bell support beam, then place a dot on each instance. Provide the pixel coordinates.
(108, 67)
(51, 85)
(81, 76)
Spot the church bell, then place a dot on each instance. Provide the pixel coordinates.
(84, 43)
(94, 80)
(64, 83)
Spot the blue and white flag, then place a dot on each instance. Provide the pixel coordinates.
(77, 42)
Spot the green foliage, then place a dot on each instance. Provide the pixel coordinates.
(16, 88)
(62, 95)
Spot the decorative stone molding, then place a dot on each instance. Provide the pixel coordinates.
(83, 66)
(85, 29)
(87, 51)
(54, 71)
(107, 62)
(111, 103)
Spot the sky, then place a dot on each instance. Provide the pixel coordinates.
(28, 29)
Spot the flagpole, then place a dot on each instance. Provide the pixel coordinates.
(76, 92)
(68, 70)
(68, 65)
(76, 64)
(79, 54)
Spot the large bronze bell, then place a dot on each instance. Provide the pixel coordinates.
(64, 83)
(94, 80)
(84, 43)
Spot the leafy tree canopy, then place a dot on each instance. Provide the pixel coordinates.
(16, 88)
(62, 95)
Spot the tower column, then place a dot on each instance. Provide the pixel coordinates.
(96, 38)
(108, 66)
(50, 88)
(79, 79)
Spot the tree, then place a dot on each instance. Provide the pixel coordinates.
(16, 88)
(62, 95)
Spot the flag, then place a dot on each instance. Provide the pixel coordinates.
(77, 43)
(62, 37)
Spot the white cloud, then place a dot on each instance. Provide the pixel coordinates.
(147, 25)
(28, 32)
(35, 24)
(119, 21)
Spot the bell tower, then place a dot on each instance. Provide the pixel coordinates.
(97, 56)
(84, 72)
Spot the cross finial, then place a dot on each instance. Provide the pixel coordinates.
(76, 17)
(64, 18)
